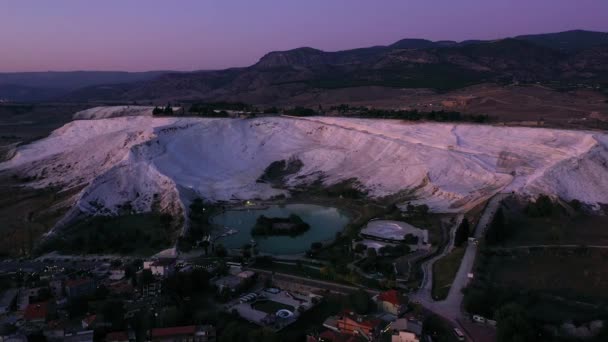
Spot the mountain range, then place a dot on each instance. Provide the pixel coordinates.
(565, 58)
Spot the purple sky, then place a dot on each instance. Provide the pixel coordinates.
(139, 35)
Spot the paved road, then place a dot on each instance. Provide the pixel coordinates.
(425, 291)
(314, 282)
(453, 302)
(451, 307)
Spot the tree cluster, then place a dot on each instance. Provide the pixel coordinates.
(542, 207)
(301, 111)
(462, 233)
(167, 110)
(219, 109)
(412, 115)
(497, 232)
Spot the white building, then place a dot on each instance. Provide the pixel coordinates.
(161, 267)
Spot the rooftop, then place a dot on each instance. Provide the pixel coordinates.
(36, 311)
(174, 331)
(77, 282)
(392, 296)
(393, 230)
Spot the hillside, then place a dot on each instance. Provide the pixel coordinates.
(566, 58)
(42, 86)
(147, 163)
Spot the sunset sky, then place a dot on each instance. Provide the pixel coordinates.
(142, 35)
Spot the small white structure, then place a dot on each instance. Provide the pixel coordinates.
(404, 330)
(160, 267)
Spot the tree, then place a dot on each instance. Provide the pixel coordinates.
(360, 301)
(423, 209)
(168, 109)
(514, 324)
(147, 277)
(114, 312)
(157, 111)
(462, 233)
(497, 231)
(371, 253)
(220, 251)
(205, 244)
(360, 248)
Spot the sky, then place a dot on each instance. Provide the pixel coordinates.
(140, 35)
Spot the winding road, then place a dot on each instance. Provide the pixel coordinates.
(451, 307)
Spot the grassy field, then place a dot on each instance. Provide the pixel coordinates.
(559, 228)
(26, 214)
(444, 271)
(136, 234)
(571, 273)
(28, 122)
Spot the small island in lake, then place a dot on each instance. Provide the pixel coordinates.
(292, 225)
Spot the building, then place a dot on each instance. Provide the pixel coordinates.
(404, 330)
(396, 232)
(121, 288)
(190, 333)
(392, 302)
(160, 267)
(37, 312)
(350, 323)
(8, 300)
(79, 287)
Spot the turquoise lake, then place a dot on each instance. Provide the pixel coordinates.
(324, 223)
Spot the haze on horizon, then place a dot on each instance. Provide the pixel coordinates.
(65, 35)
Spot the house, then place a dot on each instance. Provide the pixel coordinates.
(37, 312)
(79, 287)
(350, 323)
(404, 330)
(151, 289)
(160, 267)
(8, 300)
(392, 302)
(120, 288)
(117, 336)
(190, 333)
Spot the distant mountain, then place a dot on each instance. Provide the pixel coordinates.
(38, 86)
(567, 57)
(575, 40)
